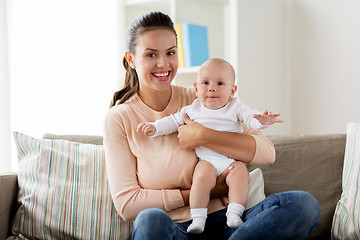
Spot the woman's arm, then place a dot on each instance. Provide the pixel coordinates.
(128, 196)
(242, 147)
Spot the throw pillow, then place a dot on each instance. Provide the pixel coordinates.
(346, 221)
(63, 192)
(256, 188)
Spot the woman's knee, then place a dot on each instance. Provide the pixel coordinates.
(310, 206)
(152, 222)
(150, 216)
(305, 203)
(305, 209)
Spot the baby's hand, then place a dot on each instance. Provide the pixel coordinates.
(146, 128)
(268, 118)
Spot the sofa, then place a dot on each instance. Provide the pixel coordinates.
(311, 163)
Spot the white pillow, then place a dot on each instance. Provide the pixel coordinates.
(256, 188)
(63, 192)
(346, 221)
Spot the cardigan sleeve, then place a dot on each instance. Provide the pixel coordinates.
(265, 150)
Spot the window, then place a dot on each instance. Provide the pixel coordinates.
(64, 65)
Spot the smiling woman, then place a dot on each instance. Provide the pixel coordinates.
(64, 64)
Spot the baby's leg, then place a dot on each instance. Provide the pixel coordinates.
(204, 180)
(238, 183)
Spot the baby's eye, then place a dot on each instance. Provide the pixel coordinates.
(220, 83)
(205, 82)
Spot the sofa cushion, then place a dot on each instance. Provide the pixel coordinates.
(63, 192)
(92, 139)
(311, 163)
(346, 223)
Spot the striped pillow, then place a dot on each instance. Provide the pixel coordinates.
(63, 192)
(346, 221)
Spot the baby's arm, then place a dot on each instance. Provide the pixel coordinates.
(268, 118)
(162, 126)
(254, 119)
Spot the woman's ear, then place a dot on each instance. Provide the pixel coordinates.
(130, 59)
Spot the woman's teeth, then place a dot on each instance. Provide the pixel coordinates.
(164, 74)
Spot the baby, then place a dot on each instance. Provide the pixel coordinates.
(216, 108)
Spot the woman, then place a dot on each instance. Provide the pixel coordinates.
(150, 179)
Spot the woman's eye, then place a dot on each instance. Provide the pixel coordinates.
(171, 53)
(151, 55)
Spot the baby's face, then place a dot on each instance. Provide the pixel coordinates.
(215, 85)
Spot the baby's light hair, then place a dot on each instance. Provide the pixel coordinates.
(218, 60)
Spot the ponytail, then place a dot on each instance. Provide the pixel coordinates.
(131, 86)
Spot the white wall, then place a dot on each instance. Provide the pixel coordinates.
(325, 64)
(301, 58)
(262, 54)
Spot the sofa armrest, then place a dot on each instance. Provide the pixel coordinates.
(8, 202)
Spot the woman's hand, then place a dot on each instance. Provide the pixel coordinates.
(191, 134)
(186, 196)
(221, 189)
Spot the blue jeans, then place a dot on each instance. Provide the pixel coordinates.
(287, 215)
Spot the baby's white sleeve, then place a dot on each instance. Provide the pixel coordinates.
(168, 124)
(246, 115)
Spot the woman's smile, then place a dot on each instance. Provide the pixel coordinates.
(161, 75)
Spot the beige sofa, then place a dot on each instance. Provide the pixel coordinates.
(312, 163)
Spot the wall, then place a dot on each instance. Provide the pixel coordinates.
(262, 55)
(325, 64)
(301, 58)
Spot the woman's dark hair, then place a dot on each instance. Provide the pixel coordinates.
(146, 22)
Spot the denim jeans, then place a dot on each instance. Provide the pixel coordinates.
(287, 215)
